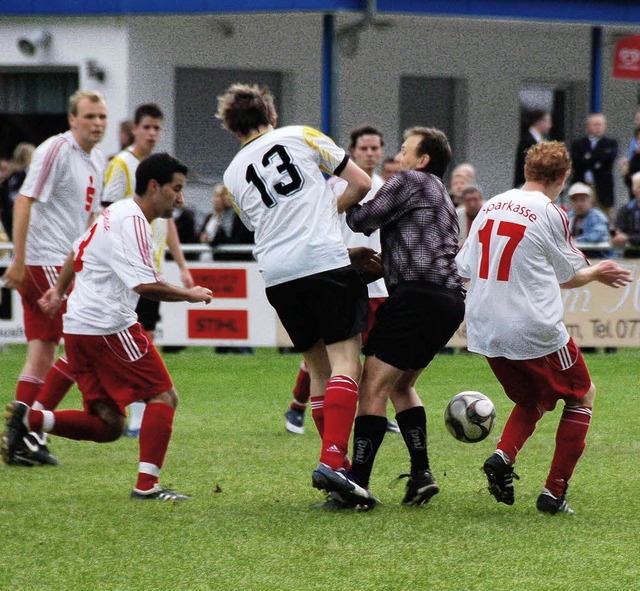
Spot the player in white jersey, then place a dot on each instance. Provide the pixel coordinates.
(61, 193)
(119, 183)
(517, 257)
(109, 353)
(366, 149)
(277, 184)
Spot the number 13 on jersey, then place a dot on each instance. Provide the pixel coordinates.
(487, 237)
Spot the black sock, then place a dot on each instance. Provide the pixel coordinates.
(368, 433)
(413, 426)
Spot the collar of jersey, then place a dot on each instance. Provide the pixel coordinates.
(253, 138)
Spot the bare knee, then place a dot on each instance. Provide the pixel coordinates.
(170, 398)
(114, 422)
(588, 399)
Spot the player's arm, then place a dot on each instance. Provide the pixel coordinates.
(52, 299)
(14, 275)
(358, 185)
(607, 272)
(165, 292)
(173, 243)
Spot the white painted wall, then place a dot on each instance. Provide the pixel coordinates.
(495, 57)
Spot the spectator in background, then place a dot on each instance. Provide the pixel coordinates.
(587, 223)
(539, 125)
(231, 230)
(125, 134)
(17, 173)
(388, 168)
(466, 168)
(460, 180)
(212, 221)
(185, 219)
(626, 227)
(472, 201)
(593, 158)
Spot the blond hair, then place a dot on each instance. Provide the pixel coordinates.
(546, 162)
(92, 95)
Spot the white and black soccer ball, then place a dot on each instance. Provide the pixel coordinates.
(470, 416)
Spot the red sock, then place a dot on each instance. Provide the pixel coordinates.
(570, 443)
(73, 424)
(317, 413)
(302, 389)
(56, 384)
(27, 389)
(340, 401)
(519, 427)
(155, 433)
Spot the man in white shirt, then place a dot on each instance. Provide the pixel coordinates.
(517, 257)
(109, 353)
(366, 149)
(278, 188)
(59, 197)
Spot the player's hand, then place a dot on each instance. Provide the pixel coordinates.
(187, 279)
(367, 262)
(50, 302)
(13, 276)
(200, 294)
(612, 274)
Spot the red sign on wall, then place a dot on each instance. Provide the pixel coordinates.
(626, 58)
(217, 324)
(224, 283)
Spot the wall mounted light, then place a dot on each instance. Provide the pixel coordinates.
(96, 71)
(29, 45)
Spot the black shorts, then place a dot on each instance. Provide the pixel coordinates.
(331, 306)
(414, 323)
(148, 312)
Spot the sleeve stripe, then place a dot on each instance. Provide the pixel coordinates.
(45, 171)
(342, 165)
(143, 244)
(567, 231)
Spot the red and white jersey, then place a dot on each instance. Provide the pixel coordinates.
(277, 184)
(111, 258)
(66, 184)
(517, 254)
(377, 289)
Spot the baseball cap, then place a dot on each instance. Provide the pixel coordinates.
(580, 189)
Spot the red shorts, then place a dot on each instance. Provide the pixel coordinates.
(118, 368)
(560, 375)
(37, 324)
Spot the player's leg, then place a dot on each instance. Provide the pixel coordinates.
(572, 429)
(319, 369)
(301, 394)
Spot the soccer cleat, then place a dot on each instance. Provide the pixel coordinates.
(421, 486)
(131, 432)
(36, 444)
(157, 493)
(392, 427)
(339, 481)
(295, 421)
(335, 502)
(548, 503)
(14, 432)
(500, 475)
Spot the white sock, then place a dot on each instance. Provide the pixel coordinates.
(136, 410)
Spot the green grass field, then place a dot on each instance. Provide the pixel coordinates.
(250, 525)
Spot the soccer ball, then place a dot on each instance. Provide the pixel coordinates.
(470, 416)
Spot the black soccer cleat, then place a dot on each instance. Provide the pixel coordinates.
(294, 421)
(335, 502)
(500, 475)
(158, 493)
(340, 481)
(421, 486)
(548, 503)
(36, 445)
(14, 431)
